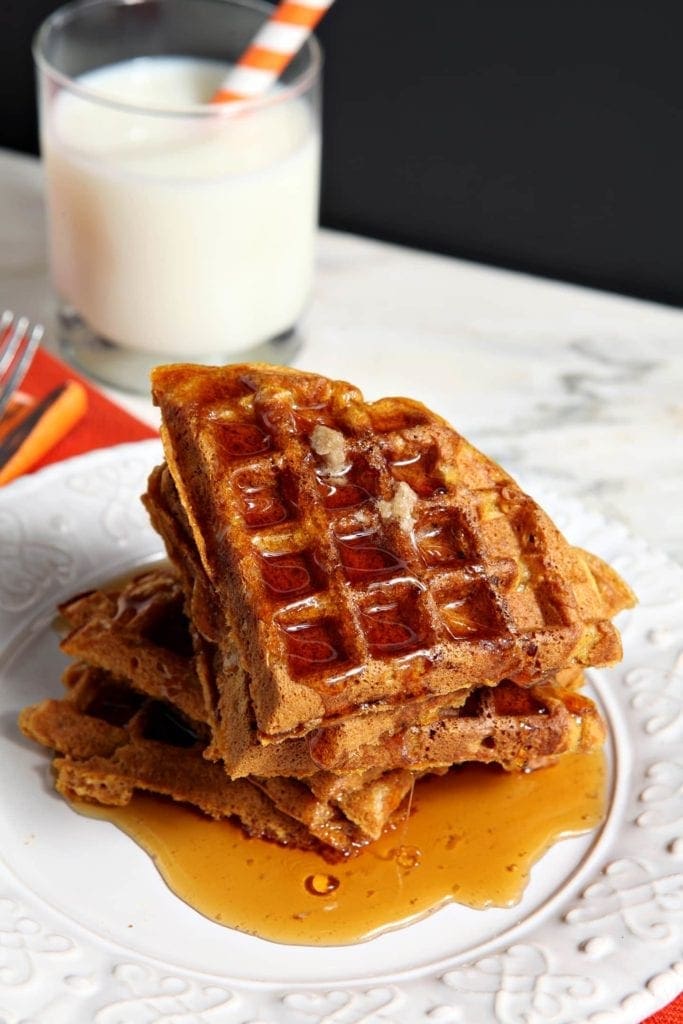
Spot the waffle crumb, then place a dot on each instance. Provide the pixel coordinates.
(331, 447)
(400, 507)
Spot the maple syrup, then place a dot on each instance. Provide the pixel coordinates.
(264, 497)
(338, 496)
(472, 837)
(291, 576)
(418, 469)
(391, 621)
(240, 440)
(313, 646)
(364, 560)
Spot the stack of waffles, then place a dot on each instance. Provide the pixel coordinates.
(357, 597)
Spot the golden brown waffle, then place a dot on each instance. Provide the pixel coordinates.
(365, 555)
(230, 713)
(425, 732)
(138, 631)
(114, 738)
(367, 804)
(514, 726)
(135, 630)
(229, 708)
(113, 627)
(519, 728)
(111, 740)
(348, 820)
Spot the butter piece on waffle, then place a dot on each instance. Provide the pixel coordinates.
(335, 609)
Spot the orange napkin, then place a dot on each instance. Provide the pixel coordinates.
(66, 405)
(86, 420)
(671, 1014)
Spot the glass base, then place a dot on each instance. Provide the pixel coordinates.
(129, 369)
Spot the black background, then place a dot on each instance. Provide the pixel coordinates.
(539, 135)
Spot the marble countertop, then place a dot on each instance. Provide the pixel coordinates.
(581, 388)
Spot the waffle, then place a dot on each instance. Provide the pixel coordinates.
(365, 555)
(426, 733)
(111, 740)
(519, 728)
(229, 707)
(359, 598)
(138, 631)
(137, 628)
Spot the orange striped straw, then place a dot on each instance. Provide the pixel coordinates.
(275, 44)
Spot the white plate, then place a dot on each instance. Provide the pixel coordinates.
(90, 933)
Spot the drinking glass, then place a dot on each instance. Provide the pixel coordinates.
(179, 230)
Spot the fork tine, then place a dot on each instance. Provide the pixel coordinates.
(12, 331)
(29, 345)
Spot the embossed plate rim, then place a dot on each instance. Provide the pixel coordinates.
(640, 973)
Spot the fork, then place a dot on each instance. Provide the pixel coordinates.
(18, 344)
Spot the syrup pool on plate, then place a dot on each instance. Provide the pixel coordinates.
(471, 837)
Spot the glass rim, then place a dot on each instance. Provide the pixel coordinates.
(235, 108)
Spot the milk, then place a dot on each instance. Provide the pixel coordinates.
(178, 234)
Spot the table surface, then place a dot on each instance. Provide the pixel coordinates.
(581, 388)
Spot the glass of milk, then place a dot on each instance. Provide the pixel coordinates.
(178, 230)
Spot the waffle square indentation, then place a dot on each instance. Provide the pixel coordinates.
(468, 609)
(418, 466)
(291, 576)
(352, 489)
(443, 542)
(392, 621)
(528, 609)
(265, 498)
(366, 557)
(240, 439)
(314, 648)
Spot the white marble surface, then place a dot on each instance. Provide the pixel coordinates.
(582, 388)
